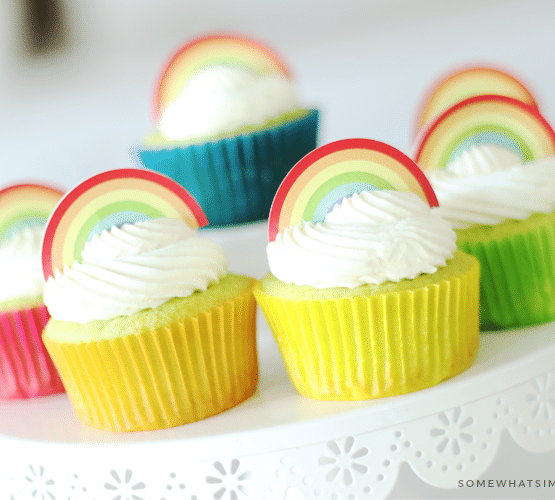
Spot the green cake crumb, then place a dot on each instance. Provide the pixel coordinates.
(157, 140)
(20, 303)
(147, 320)
(459, 264)
(506, 229)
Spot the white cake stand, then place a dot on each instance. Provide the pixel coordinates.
(279, 445)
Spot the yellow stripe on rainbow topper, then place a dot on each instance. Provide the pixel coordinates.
(108, 199)
(339, 169)
(468, 82)
(24, 205)
(211, 50)
(488, 119)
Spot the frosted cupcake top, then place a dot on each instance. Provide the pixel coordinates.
(134, 267)
(20, 264)
(373, 237)
(489, 184)
(224, 99)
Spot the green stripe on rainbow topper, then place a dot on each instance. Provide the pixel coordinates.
(468, 82)
(211, 50)
(487, 119)
(26, 204)
(339, 169)
(108, 199)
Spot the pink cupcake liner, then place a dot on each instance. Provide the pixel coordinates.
(26, 370)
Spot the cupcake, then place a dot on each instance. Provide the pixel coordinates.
(26, 370)
(497, 188)
(148, 329)
(229, 126)
(503, 213)
(369, 297)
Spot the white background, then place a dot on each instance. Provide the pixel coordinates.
(366, 64)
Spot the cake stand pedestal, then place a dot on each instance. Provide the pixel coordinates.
(279, 445)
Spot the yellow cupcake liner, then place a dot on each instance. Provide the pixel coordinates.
(182, 373)
(381, 345)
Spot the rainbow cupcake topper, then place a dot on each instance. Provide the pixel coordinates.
(470, 82)
(488, 119)
(339, 169)
(209, 51)
(24, 205)
(109, 199)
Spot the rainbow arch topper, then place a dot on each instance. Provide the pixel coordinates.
(488, 119)
(339, 169)
(466, 82)
(210, 50)
(24, 205)
(112, 198)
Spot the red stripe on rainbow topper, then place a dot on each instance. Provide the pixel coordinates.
(339, 169)
(468, 82)
(211, 50)
(24, 205)
(487, 119)
(108, 199)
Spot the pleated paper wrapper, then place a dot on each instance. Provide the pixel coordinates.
(26, 370)
(235, 179)
(387, 344)
(190, 370)
(517, 282)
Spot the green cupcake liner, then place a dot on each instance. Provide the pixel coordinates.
(235, 179)
(517, 279)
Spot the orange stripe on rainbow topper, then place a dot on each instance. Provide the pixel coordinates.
(339, 169)
(468, 82)
(211, 50)
(24, 205)
(108, 199)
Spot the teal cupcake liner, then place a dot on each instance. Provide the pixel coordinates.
(517, 277)
(235, 179)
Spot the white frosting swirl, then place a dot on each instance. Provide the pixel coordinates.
(223, 99)
(135, 267)
(20, 264)
(373, 237)
(482, 159)
(488, 184)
